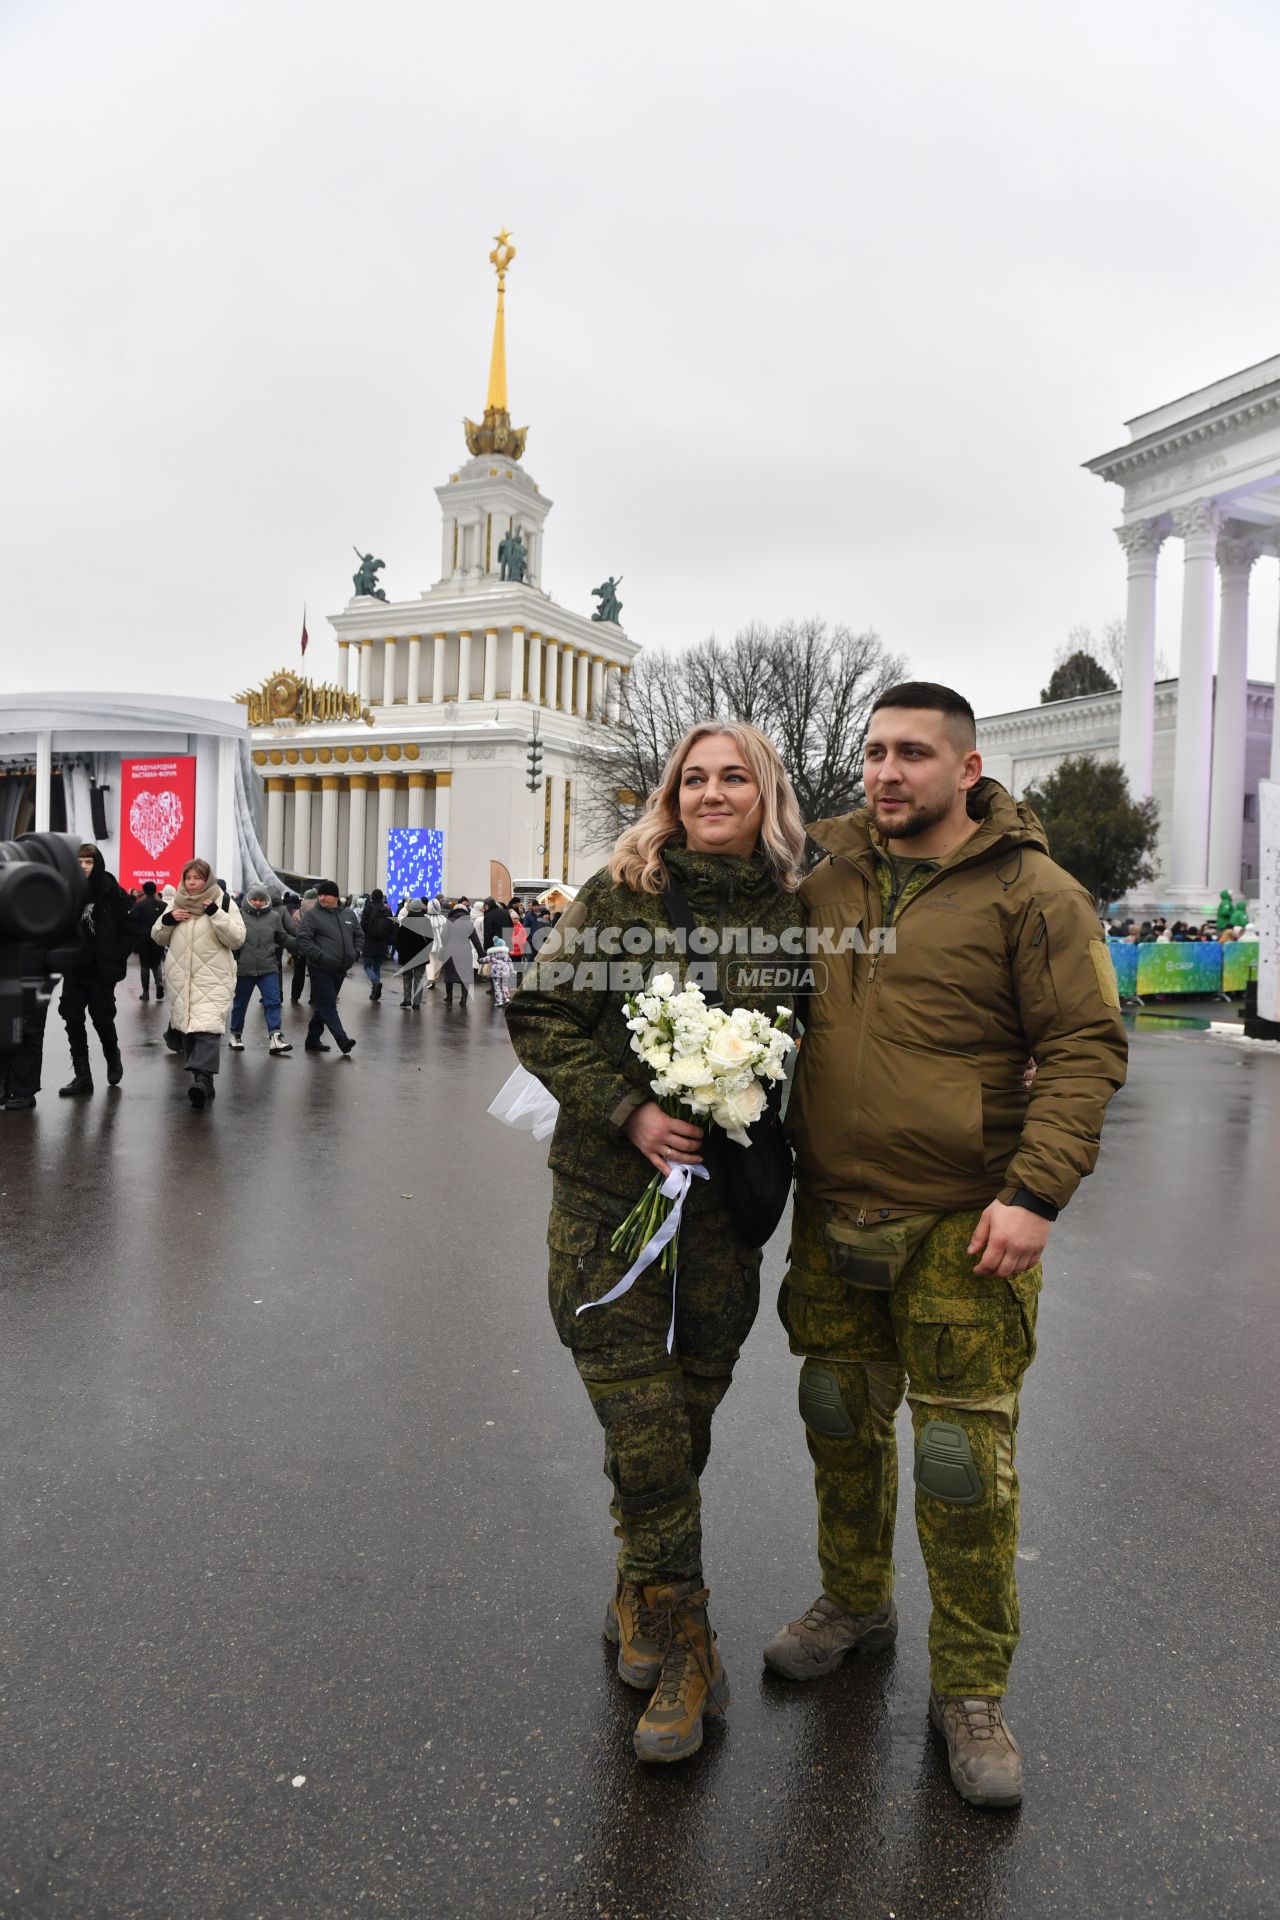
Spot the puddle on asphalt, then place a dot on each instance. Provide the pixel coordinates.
(1167, 1022)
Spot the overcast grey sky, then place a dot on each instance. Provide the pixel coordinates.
(817, 309)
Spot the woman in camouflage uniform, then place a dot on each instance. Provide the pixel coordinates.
(724, 823)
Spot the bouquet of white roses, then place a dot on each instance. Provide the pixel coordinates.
(718, 1065)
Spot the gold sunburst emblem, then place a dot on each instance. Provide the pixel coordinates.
(282, 696)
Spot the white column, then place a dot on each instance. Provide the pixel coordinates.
(344, 666)
(597, 688)
(366, 672)
(388, 673)
(533, 683)
(275, 821)
(613, 693)
(550, 669)
(417, 800)
(226, 839)
(584, 684)
(1236, 555)
(519, 667)
(414, 691)
(329, 824)
(358, 786)
(446, 545)
(464, 666)
(386, 820)
(443, 793)
(44, 780)
(1142, 543)
(1198, 527)
(490, 664)
(302, 825)
(437, 667)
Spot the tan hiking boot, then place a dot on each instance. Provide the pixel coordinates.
(986, 1765)
(629, 1627)
(693, 1684)
(815, 1644)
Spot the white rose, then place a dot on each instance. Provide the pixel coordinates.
(689, 1072)
(729, 1049)
(739, 1110)
(663, 984)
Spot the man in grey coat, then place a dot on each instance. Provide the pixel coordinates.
(258, 965)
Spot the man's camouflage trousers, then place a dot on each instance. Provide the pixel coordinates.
(957, 1344)
(656, 1407)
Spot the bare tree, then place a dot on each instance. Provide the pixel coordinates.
(1106, 648)
(809, 687)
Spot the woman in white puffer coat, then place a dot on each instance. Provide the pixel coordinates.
(202, 935)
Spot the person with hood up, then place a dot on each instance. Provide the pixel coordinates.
(502, 972)
(150, 957)
(107, 934)
(460, 941)
(330, 941)
(414, 939)
(930, 1166)
(257, 965)
(202, 932)
(376, 925)
(292, 921)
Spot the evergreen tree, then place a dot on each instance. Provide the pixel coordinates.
(1096, 829)
(1079, 673)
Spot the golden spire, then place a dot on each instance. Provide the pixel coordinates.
(502, 256)
(497, 435)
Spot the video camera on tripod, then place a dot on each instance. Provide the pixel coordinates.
(42, 895)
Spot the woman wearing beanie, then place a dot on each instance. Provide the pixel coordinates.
(202, 931)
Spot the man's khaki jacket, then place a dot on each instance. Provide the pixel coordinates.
(909, 1086)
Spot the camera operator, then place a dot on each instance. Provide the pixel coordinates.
(108, 928)
(42, 893)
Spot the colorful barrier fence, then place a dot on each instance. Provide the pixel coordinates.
(1183, 966)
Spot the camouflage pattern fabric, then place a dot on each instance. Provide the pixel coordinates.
(956, 1344)
(656, 1409)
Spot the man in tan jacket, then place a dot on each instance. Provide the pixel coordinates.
(950, 949)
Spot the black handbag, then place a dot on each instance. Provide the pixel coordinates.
(755, 1181)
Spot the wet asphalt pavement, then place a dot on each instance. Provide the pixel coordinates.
(305, 1549)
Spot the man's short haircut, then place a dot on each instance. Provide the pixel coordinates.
(936, 699)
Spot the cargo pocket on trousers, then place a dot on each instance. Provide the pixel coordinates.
(571, 1243)
(956, 1345)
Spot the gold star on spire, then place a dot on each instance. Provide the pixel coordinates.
(497, 435)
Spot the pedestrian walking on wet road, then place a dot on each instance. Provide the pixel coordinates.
(376, 925)
(150, 957)
(107, 934)
(202, 933)
(258, 968)
(413, 944)
(460, 942)
(927, 1180)
(724, 825)
(293, 919)
(330, 941)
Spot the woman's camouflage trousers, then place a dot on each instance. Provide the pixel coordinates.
(957, 1344)
(656, 1408)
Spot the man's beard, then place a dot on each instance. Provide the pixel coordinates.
(905, 826)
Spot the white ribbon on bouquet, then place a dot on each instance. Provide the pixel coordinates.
(676, 1189)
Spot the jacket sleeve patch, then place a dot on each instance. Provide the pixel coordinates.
(1103, 967)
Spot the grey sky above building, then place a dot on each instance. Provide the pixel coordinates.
(816, 310)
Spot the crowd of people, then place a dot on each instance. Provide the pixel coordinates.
(1139, 933)
(207, 953)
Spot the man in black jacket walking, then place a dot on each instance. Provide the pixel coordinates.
(150, 956)
(107, 932)
(330, 941)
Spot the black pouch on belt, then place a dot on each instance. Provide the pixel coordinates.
(875, 1255)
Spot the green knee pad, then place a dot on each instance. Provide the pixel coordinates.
(821, 1407)
(945, 1466)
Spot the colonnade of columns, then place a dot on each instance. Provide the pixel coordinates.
(544, 669)
(294, 851)
(1210, 741)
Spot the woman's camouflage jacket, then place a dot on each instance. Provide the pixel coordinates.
(572, 1032)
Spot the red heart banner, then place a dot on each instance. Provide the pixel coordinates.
(157, 819)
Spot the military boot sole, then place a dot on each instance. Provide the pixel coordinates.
(973, 1795)
(874, 1639)
(655, 1747)
(636, 1672)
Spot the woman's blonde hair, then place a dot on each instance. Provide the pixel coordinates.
(201, 867)
(637, 857)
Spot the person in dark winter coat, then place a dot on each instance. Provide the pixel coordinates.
(107, 935)
(150, 957)
(496, 924)
(460, 939)
(257, 966)
(375, 924)
(292, 921)
(330, 941)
